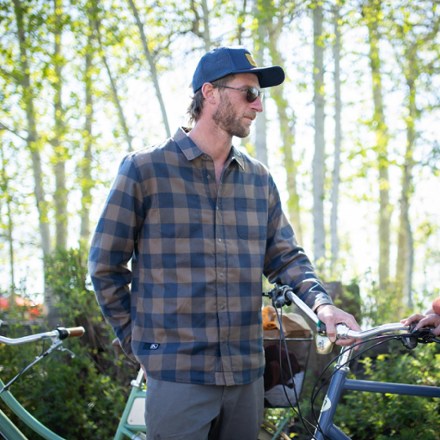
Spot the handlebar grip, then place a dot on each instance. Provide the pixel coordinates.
(73, 332)
(76, 332)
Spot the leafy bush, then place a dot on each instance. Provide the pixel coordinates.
(371, 415)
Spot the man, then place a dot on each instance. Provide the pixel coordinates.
(201, 222)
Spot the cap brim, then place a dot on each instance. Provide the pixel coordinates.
(267, 76)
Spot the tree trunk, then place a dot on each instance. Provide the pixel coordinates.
(405, 244)
(372, 15)
(152, 65)
(114, 89)
(287, 122)
(338, 141)
(60, 151)
(261, 121)
(269, 37)
(415, 40)
(319, 138)
(206, 26)
(33, 145)
(205, 33)
(85, 166)
(9, 225)
(32, 140)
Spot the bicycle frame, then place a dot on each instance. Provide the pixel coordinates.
(132, 423)
(130, 426)
(339, 383)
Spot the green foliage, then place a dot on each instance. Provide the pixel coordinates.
(80, 397)
(377, 416)
(349, 299)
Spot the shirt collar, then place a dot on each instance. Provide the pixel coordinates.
(192, 151)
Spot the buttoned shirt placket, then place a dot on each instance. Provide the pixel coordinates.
(225, 375)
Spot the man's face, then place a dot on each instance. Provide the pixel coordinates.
(234, 113)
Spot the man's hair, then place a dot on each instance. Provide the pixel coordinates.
(196, 106)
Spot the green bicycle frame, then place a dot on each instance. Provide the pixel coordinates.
(11, 431)
(130, 424)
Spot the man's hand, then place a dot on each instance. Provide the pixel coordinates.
(330, 315)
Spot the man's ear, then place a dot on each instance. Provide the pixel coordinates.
(208, 91)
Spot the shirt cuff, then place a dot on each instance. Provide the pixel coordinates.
(317, 306)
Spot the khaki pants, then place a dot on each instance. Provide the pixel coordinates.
(177, 411)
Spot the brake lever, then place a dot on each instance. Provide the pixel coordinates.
(422, 335)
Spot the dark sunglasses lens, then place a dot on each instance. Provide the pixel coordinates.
(252, 94)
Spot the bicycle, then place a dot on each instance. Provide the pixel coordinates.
(131, 424)
(324, 426)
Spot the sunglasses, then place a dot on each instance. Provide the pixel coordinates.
(252, 93)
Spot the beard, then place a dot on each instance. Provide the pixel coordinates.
(227, 119)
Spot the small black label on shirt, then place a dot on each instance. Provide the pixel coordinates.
(151, 346)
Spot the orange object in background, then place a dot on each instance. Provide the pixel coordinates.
(31, 310)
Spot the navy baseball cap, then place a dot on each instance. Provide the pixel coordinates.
(223, 61)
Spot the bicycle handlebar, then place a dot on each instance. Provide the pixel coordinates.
(284, 295)
(343, 331)
(58, 334)
(56, 337)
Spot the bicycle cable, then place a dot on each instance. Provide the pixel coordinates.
(308, 426)
(295, 408)
(55, 345)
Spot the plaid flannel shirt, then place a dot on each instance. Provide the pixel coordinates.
(177, 260)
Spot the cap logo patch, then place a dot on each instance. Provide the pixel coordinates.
(251, 60)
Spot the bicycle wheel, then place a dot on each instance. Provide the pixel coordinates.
(268, 430)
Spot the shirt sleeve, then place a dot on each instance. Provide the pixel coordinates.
(112, 248)
(286, 262)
